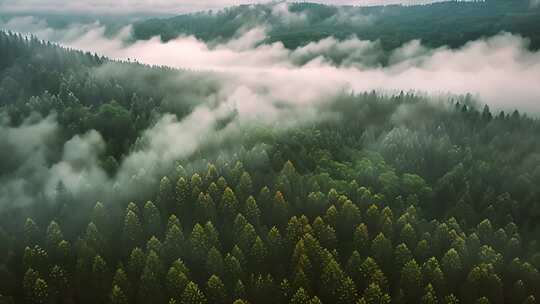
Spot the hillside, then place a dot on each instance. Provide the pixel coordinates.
(381, 199)
(448, 23)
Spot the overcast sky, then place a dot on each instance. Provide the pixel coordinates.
(156, 6)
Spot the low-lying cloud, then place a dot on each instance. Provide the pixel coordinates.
(500, 70)
(259, 83)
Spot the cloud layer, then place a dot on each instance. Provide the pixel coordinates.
(500, 70)
(258, 83)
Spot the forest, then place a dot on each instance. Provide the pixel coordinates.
(451, 23)
(376, 198)
(434, 208)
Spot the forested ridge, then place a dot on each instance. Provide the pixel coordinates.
(449, 23)
(390, 199)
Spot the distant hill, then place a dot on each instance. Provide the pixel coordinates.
(446, 23)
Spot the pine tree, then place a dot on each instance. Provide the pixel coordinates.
(229, 205)
(349, 216)
(29, 280)
(176, 282)
(408, 236)
(381, 247)
(361, 241)
(222, 184)
(173, 246)
(192, 295)
(214, 262)
(198, 242)
(214, 193)
(121, 280)
(54, 235)
(211, 174)
(63, 252)
(245, 187)
(136, 262)
(247, 237)
(93, 238)
(422, 251)
(371, 273)
(233, 270)
(374, 295)
(411, 281)
(40, 292)
(183, 194)
(274, 242)
(483, 281)
(402, 255)
(450, 299)
(451, 265)
(300, 297)
(332, 278)
(300, 280)
(215, 290)
(433, 275)
(165, 193)
(373, 218)
(58, 283)
(280, 209)
(353, 268)
(331, 216)
(118, 296)
(132, 229)
(252, 212)
(100, 275)
(429, 296)
(152, 219)
(239, 290)
(150, 288)
(155, 245)
(31, 232)
(212, 235)
(347, 293)
(482, 300)
(258, 254)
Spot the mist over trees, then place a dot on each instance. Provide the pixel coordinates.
(388, 199)
(128, 183)
(451, 23)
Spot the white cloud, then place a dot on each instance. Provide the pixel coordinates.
(501, 70)
(264, 83)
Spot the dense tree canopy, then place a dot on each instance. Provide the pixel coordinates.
(452, 23)
(399, 200)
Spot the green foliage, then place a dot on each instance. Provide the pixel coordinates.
(393, 25)
(381, 205)
(215, 290)
(374, 295)
(118, 296)
(192, 295)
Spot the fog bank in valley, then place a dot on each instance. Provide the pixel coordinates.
(499, 69)
(258, 83)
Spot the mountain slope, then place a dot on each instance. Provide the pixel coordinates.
(446, 23)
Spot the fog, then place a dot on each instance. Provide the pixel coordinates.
(259, 83)
(500, 70)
